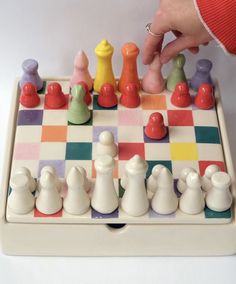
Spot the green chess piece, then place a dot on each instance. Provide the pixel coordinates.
(78, 112)
(177, 74)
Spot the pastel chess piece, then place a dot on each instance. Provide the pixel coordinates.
(130, 96)
(181, 183)
(104, 72)
(87, 97)
(106, 144)
(202, 74)
(181, 96)
(153, 81)
(81, 72)
(177, 74)
(156, 128)
(54, 97)
(129, 73)
(206, 179)
(29, 97)
(78, 112)
(135, 201)
(107, 97)
(219, 197)
(30, 75)
(26, 171)
(152, 180)
(205, 97)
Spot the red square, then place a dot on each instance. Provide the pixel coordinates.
(40, 214)
(63, 107)
(180, 117)
(204, 164)
(128, 150)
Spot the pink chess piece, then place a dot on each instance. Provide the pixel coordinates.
(153, 81)
(81, 72)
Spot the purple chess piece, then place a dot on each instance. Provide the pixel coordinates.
(202, 74)
(30, 68)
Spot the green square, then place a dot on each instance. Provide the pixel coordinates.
(43, 90)
(210, 214)
(205, 134)
(151, 164)
(121, 190)
(78, 151)
(96, 106)
(89, 122)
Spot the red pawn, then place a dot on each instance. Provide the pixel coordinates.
(107, 97)
(181, 96)
(205, 98)
(130, 97)
(155, 128)
(87, 97)
(29, 97)
(55, 97)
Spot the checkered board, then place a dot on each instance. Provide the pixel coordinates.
(44, 137)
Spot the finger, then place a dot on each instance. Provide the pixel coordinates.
(194, 50)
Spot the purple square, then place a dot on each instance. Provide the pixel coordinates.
(153, 214)
(30, 117)
(149, 140)
(176, 189)
(98, 129)
(59, 166)
(97, 215)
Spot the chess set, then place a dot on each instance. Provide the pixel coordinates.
(122, 167)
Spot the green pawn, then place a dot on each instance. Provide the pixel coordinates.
(177, 74)
(78, 112)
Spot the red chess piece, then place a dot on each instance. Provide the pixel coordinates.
(87, 97)
(205, 98)
(155, 128)
(107, 97)
(29, 97)
(55, 97)
(181, 96)
(130, 97)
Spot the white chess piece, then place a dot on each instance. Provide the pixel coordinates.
(192, 200)
(152, 180)
(76, 201)
(219, 197)
(21, 200)
(206, 179)
(106, 144)
(104, 197)
(87, 184)
(165, 200)
(124, 180)
(25, 171)
(49, 200)
(181, 183)
(135, 201)
(51, 170)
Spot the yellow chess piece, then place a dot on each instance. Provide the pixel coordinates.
(104, 73)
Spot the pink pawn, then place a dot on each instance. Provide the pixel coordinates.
(55, 97)
(153, 81)
(181, 96)
(87, 97)
(130, 96)
(81, 72)
(29, 97)
(205, 98)
(155, 128)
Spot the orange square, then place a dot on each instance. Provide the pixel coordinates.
(115, 172)
(156, 102)
(54, 133)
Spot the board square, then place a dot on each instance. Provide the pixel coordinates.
(79, 133)
(157, 152)
(26, 151)
(52, 151)
(96, 106)
(210, 214)
(181, 134)
(22, 134)
(127, 150)
(153, 102)
(204, 164)
(183, 151)
(105, 118)
(130, 117)
(30, 117)
(58, 165)
(207, 134)
(54, 133)
(211, 152)
(151, 164)
(54, 117)
(180, 118)
(63, 107)
(97, 130)
(205, 118)
(78, 151)
(130, 134)
(149, 140)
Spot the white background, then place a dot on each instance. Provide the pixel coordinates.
(52, 31)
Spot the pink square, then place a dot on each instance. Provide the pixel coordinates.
(26, 151)
(130, 117)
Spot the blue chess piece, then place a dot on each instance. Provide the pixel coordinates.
(202, 74)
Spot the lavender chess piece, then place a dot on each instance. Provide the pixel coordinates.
(30, 68)
(202, 74)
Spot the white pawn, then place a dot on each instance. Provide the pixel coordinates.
(206, 179)
(152, 180)
(49, 200)
(51, 170)
(165, 200)
(76, 201)
(192, 200)
(104, 198)
(87, 183)
(106, 144)
(25, 171)
(135, 201)
(21, 200)
(219, 198)
(181, 183)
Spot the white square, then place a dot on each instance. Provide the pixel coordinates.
(52, 151)
(79, 133)
(205, 118)
(29, 134)
(182, 134)
(105, 118)
(157, 151)
(55, 117)
(130, 134)
(178, 166)
(210, 152)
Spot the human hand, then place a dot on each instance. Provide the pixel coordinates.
(181, 18)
